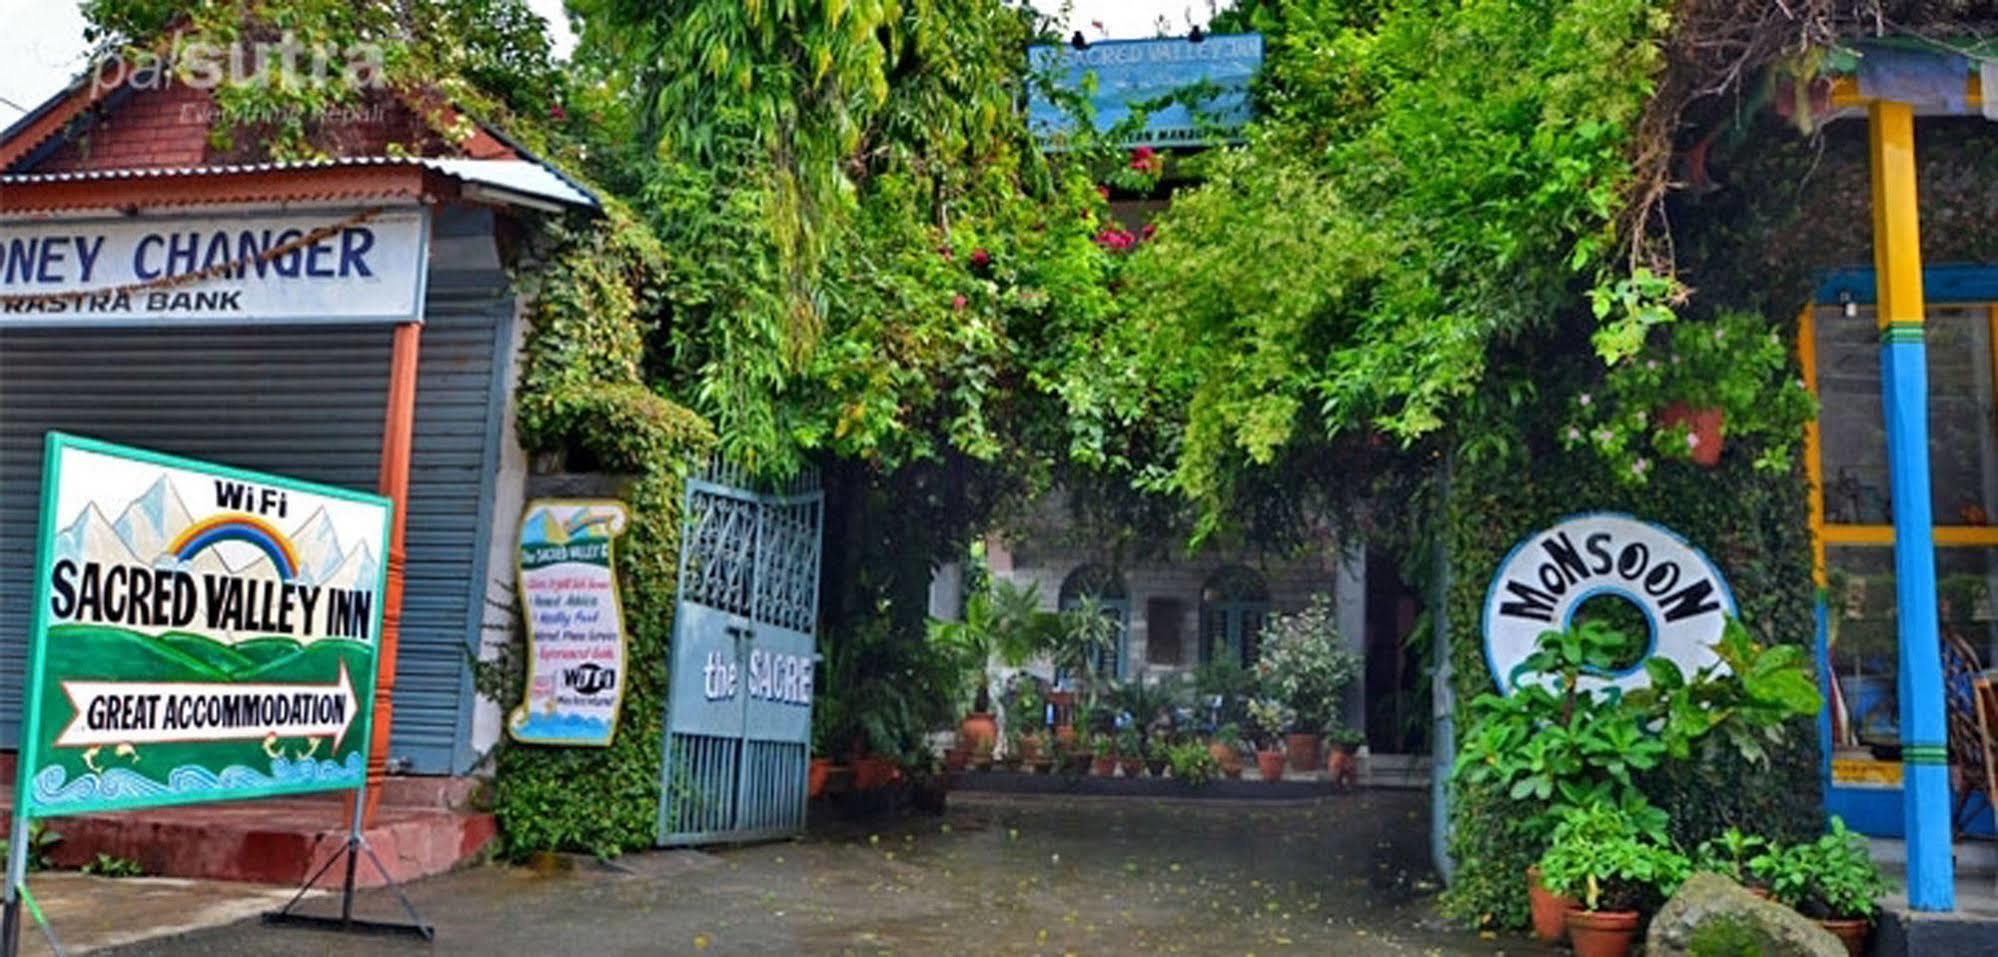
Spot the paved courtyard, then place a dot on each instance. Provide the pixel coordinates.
(995, 875)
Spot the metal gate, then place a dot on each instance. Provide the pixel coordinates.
(739, 706)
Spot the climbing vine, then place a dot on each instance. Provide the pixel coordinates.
(583, 393)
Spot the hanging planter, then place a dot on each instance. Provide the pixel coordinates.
(1703, 430)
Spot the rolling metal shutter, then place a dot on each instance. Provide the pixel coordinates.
(299, 401)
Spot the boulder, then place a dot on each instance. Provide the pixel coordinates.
(1712, 916)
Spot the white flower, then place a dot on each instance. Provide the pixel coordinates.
(1574, 434)
(1641, 416)
(1720, 334)
(1603, 436)
(1586, 399)
(1692, 440)
(1651, 364)
(1639, 466)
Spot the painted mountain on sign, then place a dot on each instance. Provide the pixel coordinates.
(147, 525)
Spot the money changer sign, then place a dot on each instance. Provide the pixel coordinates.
(201, 633)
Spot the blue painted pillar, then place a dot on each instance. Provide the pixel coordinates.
(1904, 381)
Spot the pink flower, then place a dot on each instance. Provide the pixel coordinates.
(1146, 160)
(1640, 466)
(1116, 239)
(1103, 191)
(958, 302)
(1150, 230)
(980, 258)
(946, 253)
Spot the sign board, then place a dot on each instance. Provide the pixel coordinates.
(1549, 574)
(575, 623)
(1866, 773)
(201, 633)
(327, 266)
(1128, 72)
(732, 677)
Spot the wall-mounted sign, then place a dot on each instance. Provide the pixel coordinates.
(201, 633)
(1549, 574)
(285, 267)
(575, 623)
(1129, 72)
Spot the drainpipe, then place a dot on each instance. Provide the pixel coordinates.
(392, 483)
(1443, 737)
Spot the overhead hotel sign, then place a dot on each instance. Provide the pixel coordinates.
(575, 623)
(201, 633)
(282, 267)
(1549, 574)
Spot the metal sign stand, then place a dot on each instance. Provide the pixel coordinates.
(355, 845)
(17, 891)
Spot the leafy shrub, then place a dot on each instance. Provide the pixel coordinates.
(1304, 664)
(1607, 859)
(1192, 763)
(1833, 876)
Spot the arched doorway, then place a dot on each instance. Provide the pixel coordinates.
(1233, 604)
(1106, 587)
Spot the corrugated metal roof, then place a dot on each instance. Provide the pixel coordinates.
(508, 179)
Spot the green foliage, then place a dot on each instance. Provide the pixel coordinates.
(1191, 763)
(41, 841)
(1304, 663)
(1554, 747)
(108, 865)
(879, 694)
(1608, 860)
(1430, 180)
(604, 801)
(1223, 689)
(1268, 720)
(492, 56)
(1729, 854)
(1735, 364)
(1831, 877)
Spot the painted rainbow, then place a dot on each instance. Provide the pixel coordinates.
(215, 530)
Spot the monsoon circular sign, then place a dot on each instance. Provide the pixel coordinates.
(1549, 574)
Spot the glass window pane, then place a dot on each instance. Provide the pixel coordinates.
(1863, 623)
(1963, 432)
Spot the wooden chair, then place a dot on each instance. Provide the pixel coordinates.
(1972, 708)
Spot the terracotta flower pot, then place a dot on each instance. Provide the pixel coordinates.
(1030, 750)
(1850, 932)
(978, 732)
(1064, 734)
(1131, 766)
(1550, 910)
(1342, 769)
(1302, 750)
(1601, 933)
(815, 779)
(956, 759)
(1229, 759)
(1270, 765)
(1104, 766)
(1703, 427)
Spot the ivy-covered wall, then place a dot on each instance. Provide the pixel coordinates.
(583, 395)
(1752, 525)
(1759, 222)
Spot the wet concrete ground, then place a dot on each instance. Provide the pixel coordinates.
(995, 875)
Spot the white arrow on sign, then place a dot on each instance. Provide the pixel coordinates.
(169, 712)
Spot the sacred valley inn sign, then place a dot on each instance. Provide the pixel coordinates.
(201, 633)
(1549, 574)
(326, 266)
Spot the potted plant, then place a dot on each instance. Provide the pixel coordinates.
(1303, 662)
(1158, 754)
(1191, 763)
(1832, 880)
(1103, 748)
(1693, 386)
(1130, 751)
(1033, 747)
(1600, 856)
(1226, 748)
(1269, 717)
(1342, 767)
(1010, 761)
(1073, 755)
